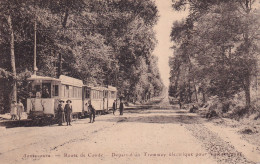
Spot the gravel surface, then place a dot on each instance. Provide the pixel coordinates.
(222, 151)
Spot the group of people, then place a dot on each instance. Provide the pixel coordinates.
(16, 110)
(121, 107)
(65, 112)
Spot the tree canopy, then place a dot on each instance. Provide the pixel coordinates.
(100, 42)
(216, 49)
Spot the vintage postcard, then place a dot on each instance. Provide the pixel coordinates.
(130, 81)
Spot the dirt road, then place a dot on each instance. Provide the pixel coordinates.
(158, 133)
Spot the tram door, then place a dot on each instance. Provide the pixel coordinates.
(105, 100)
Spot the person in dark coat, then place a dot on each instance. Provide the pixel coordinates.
(68, 112)
(61, 115)
(114, 107)
(92, 112)
(121, 107)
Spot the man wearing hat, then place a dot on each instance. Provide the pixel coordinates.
(121, 106)
(92, 112)
(68, 112)
(61, 115)
(114, 107)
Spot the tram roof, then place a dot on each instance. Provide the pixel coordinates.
(35, 77)
(71, 81)
(109, 88)
(63, 79)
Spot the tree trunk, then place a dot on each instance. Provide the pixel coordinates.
(59, 65)
(14, 89)
(204, 97)
(177, 81)
(193, 80)
(65, 18)
(247, 78)
(247, 91)
(195, 90)
(189, 91)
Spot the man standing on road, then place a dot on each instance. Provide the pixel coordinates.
(68, 112)
(121, 107)
(114, 107)
(61, 114)
(92, 112)
(20, 109)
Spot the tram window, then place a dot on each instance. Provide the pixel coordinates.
(70, 91)
(101, 94)
(112, 94)
(67, 91)
(74, 92)
(55, 90)
(80, 92)
(62, 91)
(46, 90)
(37, 91)
(77, 92)
(95, 94)
(87, 94)
(37, 88)
(33, 90)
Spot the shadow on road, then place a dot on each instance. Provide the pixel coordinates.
(160, 119)
(27, 123)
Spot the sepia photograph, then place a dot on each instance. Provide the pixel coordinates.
(130, 81)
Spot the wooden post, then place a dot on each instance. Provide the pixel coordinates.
(34, 54)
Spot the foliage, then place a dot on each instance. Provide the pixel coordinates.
(215, 49)
(101, 42)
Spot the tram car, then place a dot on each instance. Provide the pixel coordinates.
(45, 93)
(101, 98)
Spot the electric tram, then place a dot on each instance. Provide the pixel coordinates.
(46, 92)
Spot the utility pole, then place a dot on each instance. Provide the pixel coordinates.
(34, 54)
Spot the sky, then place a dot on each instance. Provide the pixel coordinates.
(163, 29)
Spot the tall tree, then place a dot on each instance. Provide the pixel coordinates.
(216, 36)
